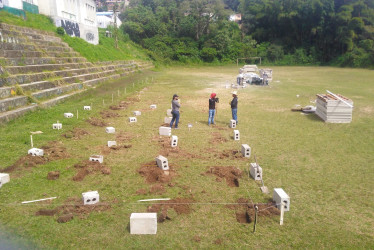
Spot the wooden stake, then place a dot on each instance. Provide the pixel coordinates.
(282, 213)
(77, 114)
(32, 143)
(112, 97)
(254, 225)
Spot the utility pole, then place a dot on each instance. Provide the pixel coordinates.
(115, 7)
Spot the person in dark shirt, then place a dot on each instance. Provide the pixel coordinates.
(234, 106)
(212, 108)
(175, 111)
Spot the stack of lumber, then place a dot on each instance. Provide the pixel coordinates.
(331, 109)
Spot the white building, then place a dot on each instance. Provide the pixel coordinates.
(17, 4)
(105, 19)
(77, 17)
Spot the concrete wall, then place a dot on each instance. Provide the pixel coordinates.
(77, 17)
(13, 3)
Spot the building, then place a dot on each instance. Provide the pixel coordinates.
(77, 17)
(105, 19)
(236, 18)
(108, 4)
(18, 7)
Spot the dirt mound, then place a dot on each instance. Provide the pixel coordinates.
(157, 189)
(77, 133)
(168, 151)
(53, 175)
(233, 154)
(89, 167)
(96, 122)
(124, 137)
(141, 191)
(217, 138)
(107, 114)
(179, 205)
(245, 212)
(115, 107)
(197, 238)
(53, 151)
(46, 212)
(65, 218)
(153, 173)
(231, 174)
(105, 150)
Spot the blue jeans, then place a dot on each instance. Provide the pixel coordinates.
(235, 115)
(212, 112)
(175, 118)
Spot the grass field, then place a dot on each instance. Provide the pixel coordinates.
(327, 169)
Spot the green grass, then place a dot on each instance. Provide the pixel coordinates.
(104, 51)
(327, 169)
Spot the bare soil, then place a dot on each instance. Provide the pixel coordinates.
(231, 174)
(53, 175)
(107, 114)
(76, 133)
(96, 122)
(153, 174)
(168, 151)
(232, 154)
(179, 205)
(124, 137)
(217, 138)
(89, 167)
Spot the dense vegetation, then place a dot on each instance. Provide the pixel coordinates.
(338, 32)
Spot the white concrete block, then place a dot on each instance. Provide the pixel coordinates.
(4, 178)
(90, 198)
(236, 135)
(133, 119)
(174, 141)
(86, 107)
(280, 196)
(232, 124)
(98, 158)
(165, 131)
(168, 112)
(162, 162)
(36, 152)
(57, 126)
(68, 115)
(110, 130)
(143, 223)
(153, 106)
(168, 120)
(255, 171)
(246, 150)
(137, 113)
(112, 143)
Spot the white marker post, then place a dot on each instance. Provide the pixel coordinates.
(77, 114)
(282, 213)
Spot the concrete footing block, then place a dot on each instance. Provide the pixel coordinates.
(153, 106)
(168, 120)
(133, 119)
(110, 130)
(112, 143)
(162, 162)
(165, 131)
(246, 150)
(255, 171)
(168, 112)
(137, 113)
(97, 158)
(90, 198)
(236, 135)
(174, 141)
(280, 196)
(4, 178)
(232, 124)
(143, 223)
(57, 126)
(36, 152)
(86, 107)
(68, 115)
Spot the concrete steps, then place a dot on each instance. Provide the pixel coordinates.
(45, 67)
(21, 61)
(57, 90)
(12, 102)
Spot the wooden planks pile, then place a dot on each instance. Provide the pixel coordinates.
(331, 109)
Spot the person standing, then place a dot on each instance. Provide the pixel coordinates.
(175, 105)
(234, 106)
(212, 108)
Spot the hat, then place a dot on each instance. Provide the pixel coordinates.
(213, 95)
(175, 95)
(234, 92)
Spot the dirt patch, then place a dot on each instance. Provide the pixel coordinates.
(53, 175)
(89, 167)
(53, 151)
(124, 137)
(217, 138)
(96, 122)
(197, 238)
(231, 174)
(107, 114)
(46, 212)
(65, 218)
(245, 212)
(76, 133)
(157, 189)
(153, 174)
(179, 205)
(141, 191)
(105, 150)
(218, 241)
(232, 154)
(177, 152)
(115, 107)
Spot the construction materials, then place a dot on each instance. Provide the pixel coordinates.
(156, 199)
(90, 198)
(68, 115)
(137, 113)
(133, 119)
(255, 171)
(86, 107)
(165, 131)
(246, 150)
(36, 152)
(162, 162)
(45, 199)
(232, 124)
(263, 188)
(57, 126)
(168, 112)
(236, 135)
(334, 108)
(168, 120)
(112, 143)
(143, 223)
(110, 130)
(174, 141)
(4, 178)
(153, 106)
(306, 109)
(97, 158)
(279, 196)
